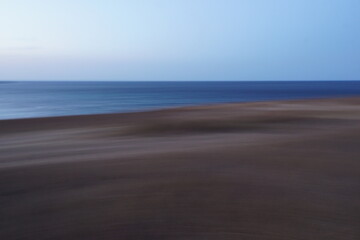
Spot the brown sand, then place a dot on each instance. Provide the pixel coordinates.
(269, 170)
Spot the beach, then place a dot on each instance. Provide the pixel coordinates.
(259, 170)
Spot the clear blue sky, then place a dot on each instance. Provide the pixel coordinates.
(179, 40)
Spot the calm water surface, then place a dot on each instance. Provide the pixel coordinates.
(41, 99)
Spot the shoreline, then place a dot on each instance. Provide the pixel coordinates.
(191, 106)
(106, 117)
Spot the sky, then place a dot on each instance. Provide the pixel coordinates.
(175, 40)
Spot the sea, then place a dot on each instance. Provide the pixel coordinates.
(32, 99)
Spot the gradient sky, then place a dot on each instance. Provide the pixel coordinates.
(179, 40)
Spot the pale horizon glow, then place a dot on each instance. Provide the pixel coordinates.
(142, 40)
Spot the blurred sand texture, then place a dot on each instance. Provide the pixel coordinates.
(250, 171)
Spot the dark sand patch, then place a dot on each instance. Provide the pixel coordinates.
(215, 182)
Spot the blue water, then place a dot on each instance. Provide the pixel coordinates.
(41, 99)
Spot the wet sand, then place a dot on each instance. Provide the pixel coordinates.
(266, 170)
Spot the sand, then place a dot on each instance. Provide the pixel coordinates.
(266, 170)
